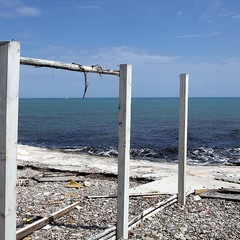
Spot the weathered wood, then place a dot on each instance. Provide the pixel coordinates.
(228, 179)
(216, 194)
(9, 90)
(21, 233)
(130, 195)
(183, 120)
(199, 191)
(229, 190)
(56, 178)
(67, 66)
(125, 84)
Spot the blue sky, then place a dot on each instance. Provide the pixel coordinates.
(160, 38)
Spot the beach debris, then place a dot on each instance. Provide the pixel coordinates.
(70, 194)
(223, 193)
(52, 203)
(87, 184)
(23, 182)
(79, 208)
(197, 198)
(130, 195)
(229, 190)
(111, 231)
(28, 221)
(228, 179)
(74, 184)
(199, 191)
(56, 178)
(47, 227)
(25, 231)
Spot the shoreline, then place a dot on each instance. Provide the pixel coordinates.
(139, 169)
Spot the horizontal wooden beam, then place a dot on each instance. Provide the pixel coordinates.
(67, 66)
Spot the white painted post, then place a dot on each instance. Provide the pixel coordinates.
(183, 120)
(124, 150)
(9, 88)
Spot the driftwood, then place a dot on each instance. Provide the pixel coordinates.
(229, 190)
(66, 66)
(220, 195)
(228, 179)
(56, 178)
(130, 195)
(23, 232)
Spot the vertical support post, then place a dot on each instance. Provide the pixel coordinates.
(124, 150)
(9, 89)
(183, 120)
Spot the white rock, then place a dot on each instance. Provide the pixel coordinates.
(197, 198)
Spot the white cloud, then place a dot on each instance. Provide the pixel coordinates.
(15, 8)
(199, 35)
(127, 54)
(28, 11)
(179, 13)
(236, 16)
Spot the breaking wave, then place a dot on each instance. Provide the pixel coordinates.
(200, 156)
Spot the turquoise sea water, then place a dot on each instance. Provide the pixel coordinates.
(91, 125)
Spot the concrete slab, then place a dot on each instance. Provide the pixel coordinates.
(169, 185)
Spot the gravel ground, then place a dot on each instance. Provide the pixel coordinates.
(203, 219)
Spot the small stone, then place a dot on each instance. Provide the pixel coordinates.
(183, 229)
(87, 184)
(47, 227)
(197, 198)
(154, 233)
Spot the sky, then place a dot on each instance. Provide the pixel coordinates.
(160, 39)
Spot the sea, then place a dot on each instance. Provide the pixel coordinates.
(90, 125)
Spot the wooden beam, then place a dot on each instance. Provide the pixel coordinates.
(9, 90)
(183, 120)
(67, 66)
(125, 85)
(130, 195)
(23, 232)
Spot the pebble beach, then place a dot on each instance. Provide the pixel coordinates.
(200, 218)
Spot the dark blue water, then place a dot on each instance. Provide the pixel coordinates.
(91, 126)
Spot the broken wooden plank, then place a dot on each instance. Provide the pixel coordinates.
(21, 233)
(57, 178)
(229, 190)
(216, 194)
(228, 179)
(199, 191)
(130, 195)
